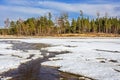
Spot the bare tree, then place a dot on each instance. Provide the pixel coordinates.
(98, 16)
(7, 24)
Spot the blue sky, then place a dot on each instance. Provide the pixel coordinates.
(15, 9)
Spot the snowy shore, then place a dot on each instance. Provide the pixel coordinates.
(95, 58)
(13, 59)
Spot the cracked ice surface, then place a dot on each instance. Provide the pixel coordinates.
(10, 59)
(85, 58)
(95, 58)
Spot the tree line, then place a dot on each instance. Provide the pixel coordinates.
(44, 25)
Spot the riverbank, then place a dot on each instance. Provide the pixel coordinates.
(17, 59)
(87, 35)
(87, 57)
(32, 68)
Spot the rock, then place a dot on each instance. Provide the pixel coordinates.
(87, 79)
(114, 61)
(61, 78)
(102, 61)
(81, 78)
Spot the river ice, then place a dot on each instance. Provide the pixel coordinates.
(10, 59)
(95, 58)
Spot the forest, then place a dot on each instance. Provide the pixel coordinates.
(45, 26)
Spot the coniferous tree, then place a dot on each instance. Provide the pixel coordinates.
(73, 26)
(78, 25)
(45, 25)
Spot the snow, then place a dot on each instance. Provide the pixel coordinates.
(95, 58)
(85, 59)
(4, 46)
(8, 63)
(10, 59)
(56, 49)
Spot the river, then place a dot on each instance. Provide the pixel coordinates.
(32, 70)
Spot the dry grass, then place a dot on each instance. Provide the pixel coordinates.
(86, 35)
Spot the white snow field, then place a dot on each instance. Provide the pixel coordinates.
(95, 58)
(10, 59)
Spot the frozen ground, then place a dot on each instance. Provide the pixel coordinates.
(10, 59)
(95, 58)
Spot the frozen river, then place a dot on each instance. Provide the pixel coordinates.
(95, 58)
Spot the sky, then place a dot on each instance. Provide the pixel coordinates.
(15, 9)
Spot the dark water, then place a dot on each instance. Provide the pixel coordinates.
(32, 70)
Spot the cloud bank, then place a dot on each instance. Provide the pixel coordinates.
(15, 9)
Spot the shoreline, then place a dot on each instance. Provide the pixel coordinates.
(59, 37)
(26, 71)
(69, 46)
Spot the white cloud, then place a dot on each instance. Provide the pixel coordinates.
(16, 12)
(89, 9)
(31, 8)
(18, 2)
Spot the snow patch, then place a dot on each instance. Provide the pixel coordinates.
(86, 60)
